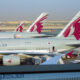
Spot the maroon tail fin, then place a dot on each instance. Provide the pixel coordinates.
(76, 26)
(20, 28)
(70, 54)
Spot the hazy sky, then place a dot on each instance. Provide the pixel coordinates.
(30, 9)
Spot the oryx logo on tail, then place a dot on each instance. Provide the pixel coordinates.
(72, 29)
(76, 26)
(37, 25)
(20, 28)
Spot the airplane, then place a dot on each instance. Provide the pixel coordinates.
(33, 31)
(59, 43)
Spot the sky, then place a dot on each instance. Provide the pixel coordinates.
(30, 9)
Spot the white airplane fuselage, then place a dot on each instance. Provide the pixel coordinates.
(21, 35)
(37, 44)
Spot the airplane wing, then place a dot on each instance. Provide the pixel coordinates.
(53, 60)
(57, 59)
(75, 45)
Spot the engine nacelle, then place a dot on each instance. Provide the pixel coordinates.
(10, 60)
